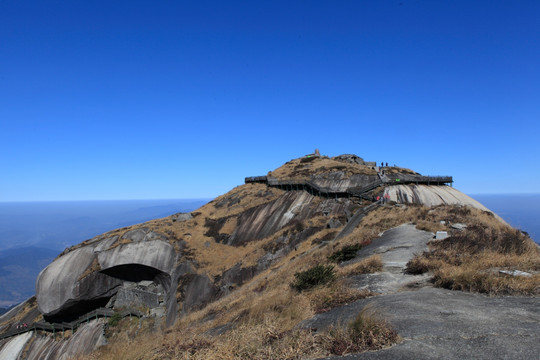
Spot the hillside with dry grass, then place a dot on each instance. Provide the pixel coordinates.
(265, 261)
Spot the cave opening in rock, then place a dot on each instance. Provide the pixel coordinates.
(105, 285)
(132, 272)
(137, 272)
(76, 310)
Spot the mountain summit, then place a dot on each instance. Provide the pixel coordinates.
(320, 257)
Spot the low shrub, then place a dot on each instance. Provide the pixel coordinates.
(315, 276)
(115, 319)
(347, 252)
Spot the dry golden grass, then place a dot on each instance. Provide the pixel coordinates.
(261, 338)
(298, 170)
(368, 331)
(93, 268)
(339, 293)
(369, 265)
(470, 260)
(263, 313)
(430, 226)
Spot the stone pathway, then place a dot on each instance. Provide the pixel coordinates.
(396, 247)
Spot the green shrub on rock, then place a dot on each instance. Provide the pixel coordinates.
(115, 318)
(317, 275)
(345, 253)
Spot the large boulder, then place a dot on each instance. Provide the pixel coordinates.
(86, 278)
(430, 195)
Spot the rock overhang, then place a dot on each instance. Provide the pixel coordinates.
(88, 276)
(155, 253)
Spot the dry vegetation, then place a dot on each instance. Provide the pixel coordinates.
(261, 338)
(28, 308)
(262, 315)
(470, 260)
(259, 320)
(299, 170)
(369, 265)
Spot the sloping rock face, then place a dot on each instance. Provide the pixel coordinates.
(293, 206)
(13, 347)
(430, 195)
(339, 181)
(445, 324)
(87, 338)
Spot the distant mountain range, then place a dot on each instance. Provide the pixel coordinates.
(18, 272)
(32, 234)
(57, 225)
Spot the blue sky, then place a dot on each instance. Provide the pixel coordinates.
(183, 99)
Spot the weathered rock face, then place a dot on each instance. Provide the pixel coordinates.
(350, 158)
(86, 278)
(266, 219)
(430, 196)
(340, 182)
(11, 348)
(87, 338)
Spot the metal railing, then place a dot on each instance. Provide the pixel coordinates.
(63, 326)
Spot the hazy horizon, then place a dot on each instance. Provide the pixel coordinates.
(52, 221)
(210, 198)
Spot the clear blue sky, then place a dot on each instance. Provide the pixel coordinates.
(182, 99)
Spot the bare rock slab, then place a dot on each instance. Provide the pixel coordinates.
(444, 324)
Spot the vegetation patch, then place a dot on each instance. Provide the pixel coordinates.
(346, 253)
(369, 265)
(368, 331)
(315, 276)
(115, 319)
(339, 293)
(470, 260)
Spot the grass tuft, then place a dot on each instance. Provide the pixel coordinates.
(323, 299)
(368, 265)
(368, 331)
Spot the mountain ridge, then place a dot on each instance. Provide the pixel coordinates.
(227, 268)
